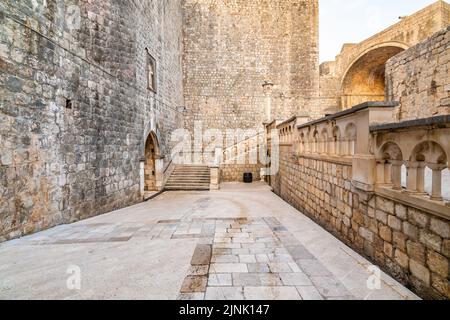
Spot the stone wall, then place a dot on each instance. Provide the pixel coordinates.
(235, 172)
(411, 245)
(232, 47)
(420, 77)
(75, 110)
(344, 171)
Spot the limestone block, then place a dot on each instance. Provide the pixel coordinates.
(438, 264)
(420, 272)
(401, 258)
(442, 228)
(430, 240)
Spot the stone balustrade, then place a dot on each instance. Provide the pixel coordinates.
(376, 147)
(379, 186)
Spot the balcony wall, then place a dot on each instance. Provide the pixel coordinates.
(344, 171)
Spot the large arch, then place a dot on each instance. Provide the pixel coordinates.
(364, 79)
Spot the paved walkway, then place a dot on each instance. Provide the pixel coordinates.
(242, 242)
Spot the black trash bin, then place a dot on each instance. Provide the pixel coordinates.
(248, 177)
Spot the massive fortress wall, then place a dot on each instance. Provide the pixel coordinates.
(75, 109)
(420, 77)
(232, 47)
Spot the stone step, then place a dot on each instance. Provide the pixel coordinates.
(191, 169)
(191, 172)
(189, 177)
(189, 183)
(176, 188)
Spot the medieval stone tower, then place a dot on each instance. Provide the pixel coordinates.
(232, 48)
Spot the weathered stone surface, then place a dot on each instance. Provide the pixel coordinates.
(401, 211)
(410, 230)
(193, 284)
(420, 272)
(402, 258)
(442, 228)
(366, 234)
(385, 205)
(395, 223)
(438, 264)
(431, 241)
(416, 251)
(202, 255)
(386, 233)
(418, 217)
(77, 106)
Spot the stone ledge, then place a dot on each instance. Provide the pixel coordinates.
(359, 107)
(327, 158)
(420, 202)
(433, 121)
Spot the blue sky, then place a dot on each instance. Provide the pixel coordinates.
(344, 21)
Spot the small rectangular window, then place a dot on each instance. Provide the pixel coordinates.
(151, 72)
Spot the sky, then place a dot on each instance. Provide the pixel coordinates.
(351, 21)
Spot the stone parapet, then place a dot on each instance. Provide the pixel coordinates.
(377, 185)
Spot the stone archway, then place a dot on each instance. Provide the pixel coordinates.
(152, 166)
(365, 77)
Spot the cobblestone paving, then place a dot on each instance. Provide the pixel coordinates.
(252, 259)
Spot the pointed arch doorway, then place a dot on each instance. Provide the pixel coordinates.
(153, 163)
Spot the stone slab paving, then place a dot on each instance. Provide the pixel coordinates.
(242, 242)
(258, 258)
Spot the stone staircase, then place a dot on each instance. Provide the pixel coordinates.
(189, 178)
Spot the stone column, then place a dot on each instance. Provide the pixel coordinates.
(421, 177)
(436, 190)
(396, 174)
(388, 173)
(411, 185)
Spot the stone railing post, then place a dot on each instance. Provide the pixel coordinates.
(411, 185)
(383, 172)
(436, 189)
(421, 177)
(396, 174)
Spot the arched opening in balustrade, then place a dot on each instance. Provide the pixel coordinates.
(389, 165)
(315, 148)
(301, 143)
(336, 141)
(350, 139)
(427, 169)
(324, 141)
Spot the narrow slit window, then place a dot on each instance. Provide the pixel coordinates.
(151, 72)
